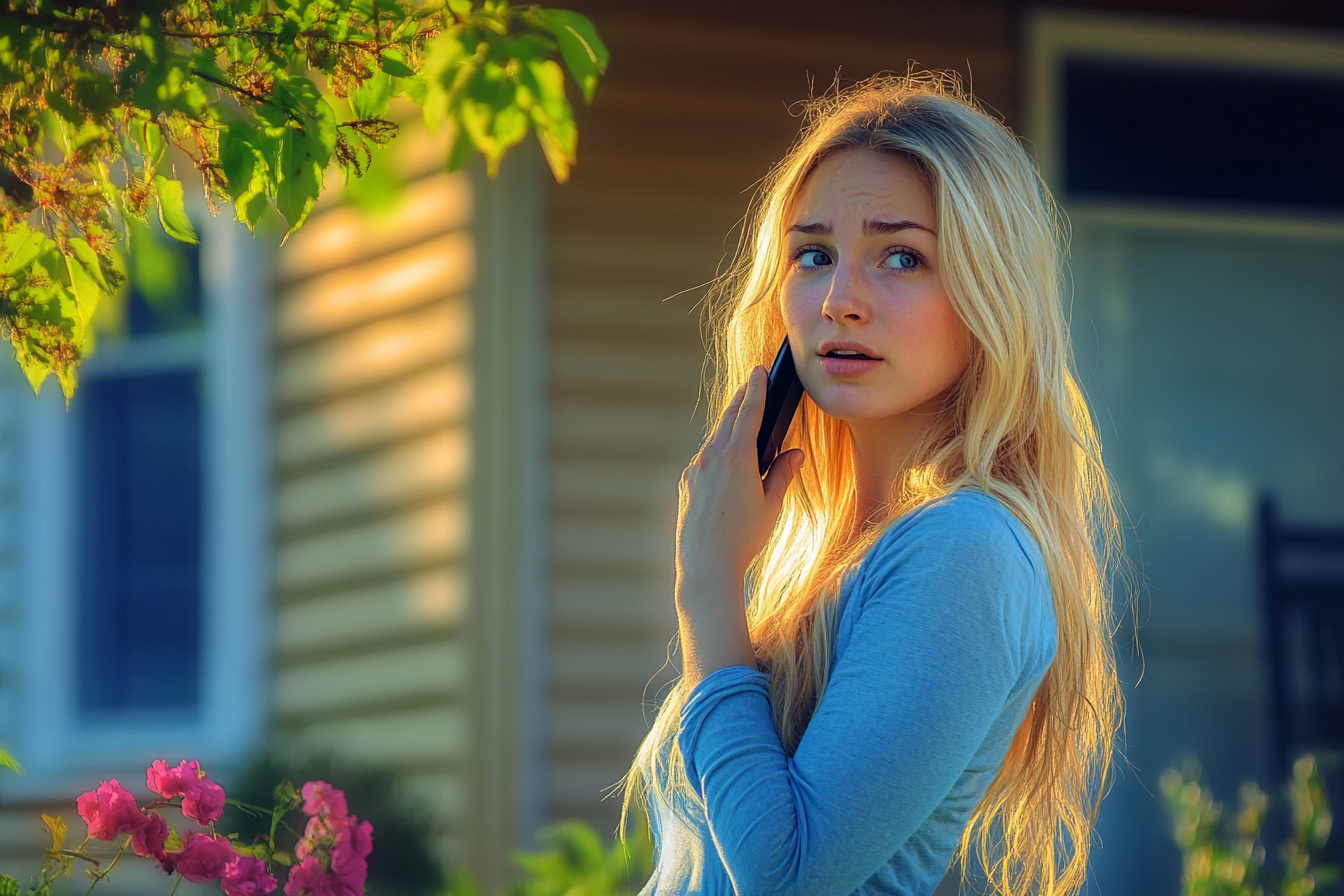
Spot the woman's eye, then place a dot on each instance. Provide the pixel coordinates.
(902, 259)
(812, 258)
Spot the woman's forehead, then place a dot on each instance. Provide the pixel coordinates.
(857, 185)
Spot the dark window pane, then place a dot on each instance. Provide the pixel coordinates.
(1209, 135)
(140, 518)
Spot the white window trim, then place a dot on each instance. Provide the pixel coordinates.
(60, 755)
(1055, 36)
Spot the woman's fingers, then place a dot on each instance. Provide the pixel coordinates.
(724, 431)
(781, 473)
(748, 422)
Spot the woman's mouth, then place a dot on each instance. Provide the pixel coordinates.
(846, 362)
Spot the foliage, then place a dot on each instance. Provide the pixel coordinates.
(1227, 858)
(576, 862)
(403, 864)
(101, 102)
(8, 761)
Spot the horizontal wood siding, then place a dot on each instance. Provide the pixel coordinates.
(372, 328)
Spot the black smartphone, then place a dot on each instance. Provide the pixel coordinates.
(782, 395)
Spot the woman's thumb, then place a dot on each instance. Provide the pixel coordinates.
(782, 471)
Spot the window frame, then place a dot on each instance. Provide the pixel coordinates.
(59, 750)
(1054, 37)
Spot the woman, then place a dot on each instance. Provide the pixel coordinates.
(922, 669)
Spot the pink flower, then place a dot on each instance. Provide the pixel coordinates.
(309, 878)
(109, 810)
(354, 842)
(202, 799)
(148, 839)
(320, 798)
(355, 836)
(246, 876)
(350, 872)
(333, 854)
(202, 858)
(206, 804)
(171, 782)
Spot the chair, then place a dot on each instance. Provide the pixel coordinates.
(1302, 583)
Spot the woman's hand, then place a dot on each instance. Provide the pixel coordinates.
(726, 516)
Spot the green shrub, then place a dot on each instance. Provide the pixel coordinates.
(1225, 857)
(576, 862)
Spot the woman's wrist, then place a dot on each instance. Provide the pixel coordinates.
(713, 624)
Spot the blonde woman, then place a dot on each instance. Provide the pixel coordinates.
(922, 668)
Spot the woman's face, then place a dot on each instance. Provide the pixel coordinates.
(872, 329)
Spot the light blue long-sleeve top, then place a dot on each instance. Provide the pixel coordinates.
(944, 632)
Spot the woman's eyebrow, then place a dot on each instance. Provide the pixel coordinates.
(872, 227)
(869, 227)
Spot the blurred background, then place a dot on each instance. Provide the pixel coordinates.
(397, 500)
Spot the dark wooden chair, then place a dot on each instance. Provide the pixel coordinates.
(1302, 582)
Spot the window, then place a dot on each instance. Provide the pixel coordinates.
(140, 568)
(138, 504)
(1139, 129)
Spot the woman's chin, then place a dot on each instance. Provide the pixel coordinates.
(851, 408)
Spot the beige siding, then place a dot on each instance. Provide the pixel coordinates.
(372, 460)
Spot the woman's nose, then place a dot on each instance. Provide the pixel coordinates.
(845, 300)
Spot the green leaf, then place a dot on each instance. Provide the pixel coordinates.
(8, 761)
(583, 51)
(393, 64)
(300, 178)
(489, 114)
(174, 842)
(304, 153)
(252, 211)
(56, 826)
(415, 89)
(63, 107)
(88, 134)
(286, 796)
(552, 116)
(247, 176)
(8, 886)
(172, 211)
(157, 272)
(372, 98)
(462, 151)
(151, 142)
(19, 247)
(35, 365)
(86, 281)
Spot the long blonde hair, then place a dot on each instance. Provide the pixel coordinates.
(1016, 426)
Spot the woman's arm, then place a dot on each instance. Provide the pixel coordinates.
(948, 603)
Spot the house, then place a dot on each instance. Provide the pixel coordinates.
(436, 449)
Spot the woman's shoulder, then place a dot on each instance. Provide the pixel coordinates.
(967, 521)
(966, 538)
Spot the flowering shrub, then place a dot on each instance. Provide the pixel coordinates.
(330, 858)
(407, 861)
